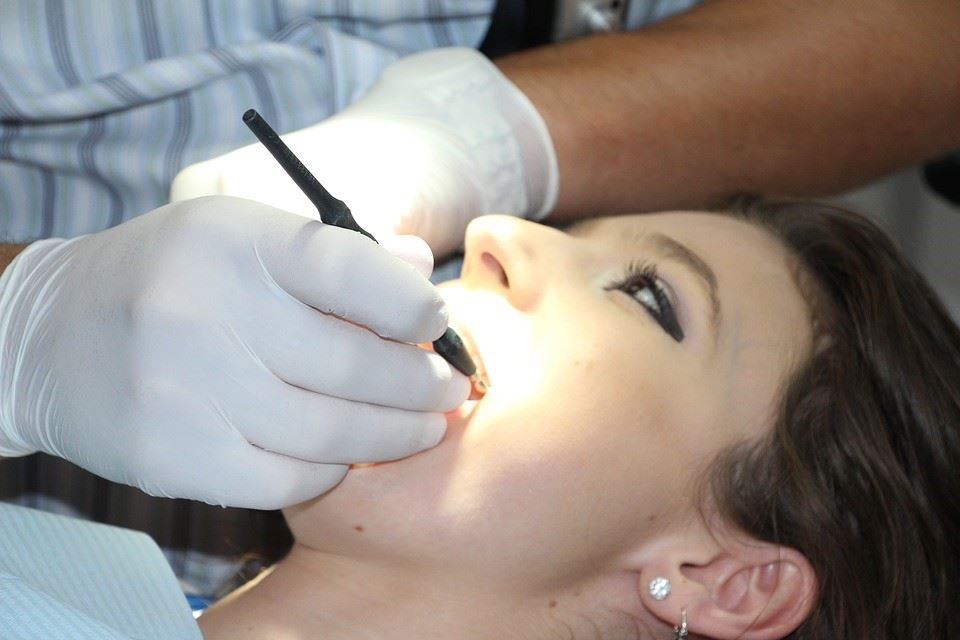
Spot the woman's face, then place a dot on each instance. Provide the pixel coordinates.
(622, 356)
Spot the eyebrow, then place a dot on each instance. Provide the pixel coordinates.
(678, 251)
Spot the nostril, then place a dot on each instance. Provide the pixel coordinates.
(494, 265)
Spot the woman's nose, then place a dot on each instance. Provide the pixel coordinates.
(506, 254)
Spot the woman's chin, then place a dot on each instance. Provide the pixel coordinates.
(424, 489)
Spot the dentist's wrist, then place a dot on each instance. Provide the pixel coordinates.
(505, 134)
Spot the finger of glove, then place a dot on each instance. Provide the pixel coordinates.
(324, 354)
(238, 474)
(412, 250)
(343, 273)
(185, 444)
(318, 428)
(257, 479)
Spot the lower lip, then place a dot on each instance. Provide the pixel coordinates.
(462, 413)
(477, 391)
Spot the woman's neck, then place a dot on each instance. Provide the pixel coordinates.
(311, 594)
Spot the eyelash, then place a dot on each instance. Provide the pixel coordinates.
(642, 276)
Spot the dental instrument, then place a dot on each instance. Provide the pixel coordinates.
(335, 212)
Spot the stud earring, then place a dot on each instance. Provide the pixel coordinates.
(680, 631)
(659, 588)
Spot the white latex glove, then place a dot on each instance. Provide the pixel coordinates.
(197, 352)
(441, 138)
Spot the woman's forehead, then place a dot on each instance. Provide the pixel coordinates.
(625, 225)
(723, 242)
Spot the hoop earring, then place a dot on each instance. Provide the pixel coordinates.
(680, 631)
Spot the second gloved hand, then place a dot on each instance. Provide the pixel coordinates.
(441, 138)
(221, 350)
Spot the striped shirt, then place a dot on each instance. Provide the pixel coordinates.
(102, 102)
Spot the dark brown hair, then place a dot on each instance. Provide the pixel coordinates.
(860, 471)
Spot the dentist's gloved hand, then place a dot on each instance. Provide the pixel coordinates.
(198, 351)
(441, 138)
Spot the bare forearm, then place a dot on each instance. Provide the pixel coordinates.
(8, 252)
(763, 96)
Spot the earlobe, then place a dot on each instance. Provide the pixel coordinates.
(756, 592)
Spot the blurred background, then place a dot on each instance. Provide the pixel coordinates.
(925, 225)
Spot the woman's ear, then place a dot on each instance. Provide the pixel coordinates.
(730, 590)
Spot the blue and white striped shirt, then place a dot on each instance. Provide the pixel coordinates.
(102, 102)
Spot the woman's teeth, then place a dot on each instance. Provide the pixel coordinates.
(478, 388)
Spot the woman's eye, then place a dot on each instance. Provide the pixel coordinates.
(643, 285)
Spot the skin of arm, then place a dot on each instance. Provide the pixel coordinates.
(7, 253)
(758, 96)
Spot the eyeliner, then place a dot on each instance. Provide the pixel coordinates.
(335, 212)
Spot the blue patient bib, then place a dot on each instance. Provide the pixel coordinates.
(67, 578)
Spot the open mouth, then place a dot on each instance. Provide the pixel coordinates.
(471, 346)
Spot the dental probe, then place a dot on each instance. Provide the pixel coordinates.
(335, 212)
